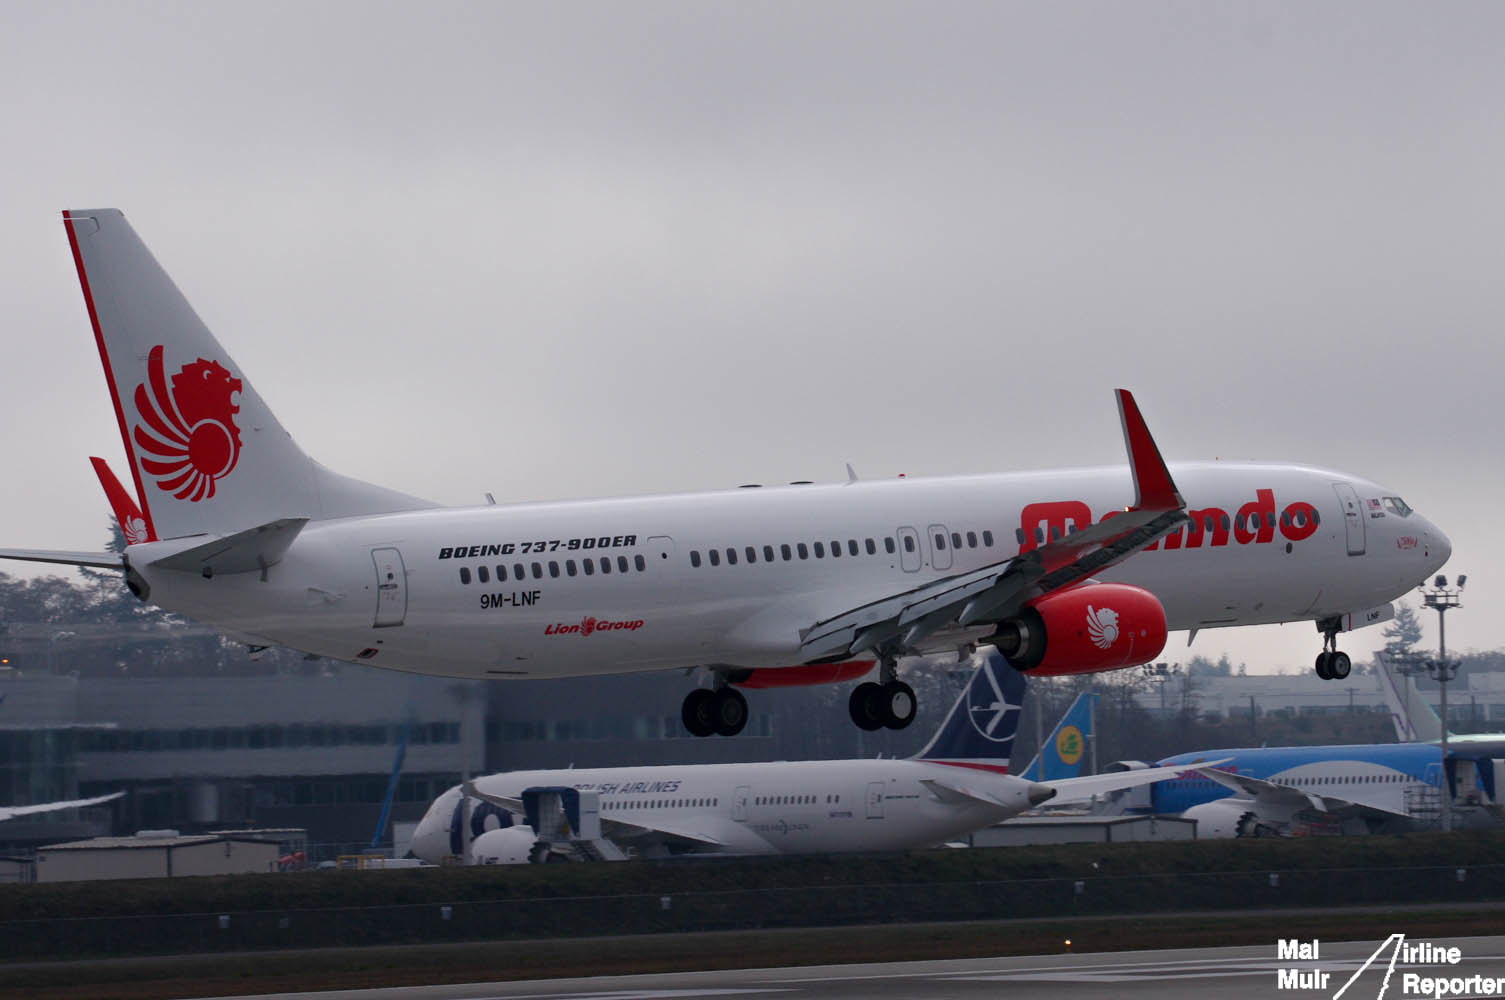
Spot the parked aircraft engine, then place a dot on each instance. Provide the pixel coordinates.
(1082, 630)
(512, 845)
(1227, 818)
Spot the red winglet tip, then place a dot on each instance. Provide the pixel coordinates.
(1153, 486)
(133, 525)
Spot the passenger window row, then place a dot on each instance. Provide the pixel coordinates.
(619, 804)
(821, 550)
(588, 567)
(792, 800)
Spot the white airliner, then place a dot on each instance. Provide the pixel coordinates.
(957, 784)
(232, 524)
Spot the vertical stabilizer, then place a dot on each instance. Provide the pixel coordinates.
(979, 731)
(1414, 720)
(1066, 747)
(207, 456)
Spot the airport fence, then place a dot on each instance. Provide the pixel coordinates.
(741, 909)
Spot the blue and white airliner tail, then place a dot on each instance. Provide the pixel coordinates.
(1063, 751)
(980, 729)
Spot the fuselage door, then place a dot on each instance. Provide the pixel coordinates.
(391, 588)
(739, 803)
(940, 546)
(1353, 517)
(875, 800)
(910, 554)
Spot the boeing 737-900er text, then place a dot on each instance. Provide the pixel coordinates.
(1065, 571)
(957, 784)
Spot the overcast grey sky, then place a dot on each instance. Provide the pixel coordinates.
(561, 249)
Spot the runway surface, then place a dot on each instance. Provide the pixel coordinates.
(1191, 973)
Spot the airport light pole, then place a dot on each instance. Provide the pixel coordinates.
(1162, 674)
(1442, 600)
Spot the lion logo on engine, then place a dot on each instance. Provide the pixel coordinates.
(1102, 626)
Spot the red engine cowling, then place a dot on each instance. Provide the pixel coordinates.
(1093, 627)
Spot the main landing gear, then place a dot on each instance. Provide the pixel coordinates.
(1331, 664)
(891, 704)
(722, 711)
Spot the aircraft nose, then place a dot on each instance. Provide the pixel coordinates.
(429, 842)
(431, 837)
(1441, 548)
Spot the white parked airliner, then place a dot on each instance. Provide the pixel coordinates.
(1063, 571)
(957, 784)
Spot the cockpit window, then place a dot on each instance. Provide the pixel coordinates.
(1397, 506)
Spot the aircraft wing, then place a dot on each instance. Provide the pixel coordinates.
(903, 621)
(1271, 793)
(611, 829)
(11, 812)
(1092, 785)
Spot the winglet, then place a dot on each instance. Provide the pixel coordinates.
(133, 525)
(1153, 487)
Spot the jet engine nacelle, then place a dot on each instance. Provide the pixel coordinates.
(512, 845)
(1226, 818)
(1098, 626)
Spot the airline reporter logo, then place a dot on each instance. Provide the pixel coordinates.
(590, 626)
(187, 432)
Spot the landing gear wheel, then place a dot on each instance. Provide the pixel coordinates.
(899, 704)
(728, 711)
(696, 712)
(1324, 665)
(1338, 665)
(867, 706)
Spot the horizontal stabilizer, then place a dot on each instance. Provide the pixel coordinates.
(245, 551)
(100, 560)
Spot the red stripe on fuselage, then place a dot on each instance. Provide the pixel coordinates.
(104, 358)
(994, 768)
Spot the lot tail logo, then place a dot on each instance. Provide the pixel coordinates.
(988, 706)
(1102, 626)
(187, 435)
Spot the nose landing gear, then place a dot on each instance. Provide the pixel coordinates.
(1331, 664)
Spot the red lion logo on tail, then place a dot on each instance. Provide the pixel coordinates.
(187, 434)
